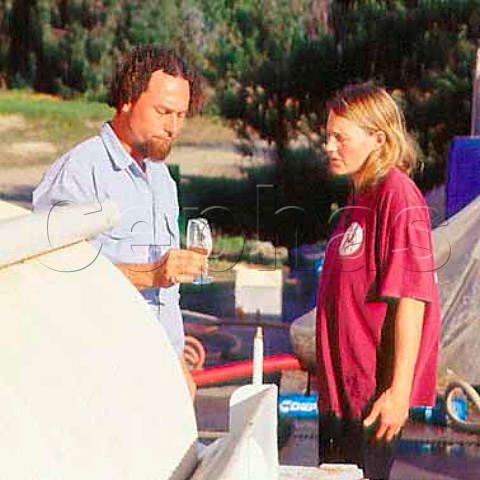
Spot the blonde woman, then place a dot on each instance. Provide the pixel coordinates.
(378, 319)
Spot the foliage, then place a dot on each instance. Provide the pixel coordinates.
(71, 47)
(270, 65)
(255, 89)
(4, 40)
(422, 51)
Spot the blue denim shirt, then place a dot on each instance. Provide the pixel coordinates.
(100, 169)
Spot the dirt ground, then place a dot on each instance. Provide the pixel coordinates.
(17, 183)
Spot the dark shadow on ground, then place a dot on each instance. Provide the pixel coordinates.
(21, 195)
(442, 462)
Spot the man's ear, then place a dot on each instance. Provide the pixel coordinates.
(125, 107)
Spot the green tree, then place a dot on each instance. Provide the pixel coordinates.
(152, 21)
(250, 66)
(256, 48)
(423, 51)
(177, 24)
(273, 83)
(70, 47)
(5, 7)
(89, 44)
(23, 31)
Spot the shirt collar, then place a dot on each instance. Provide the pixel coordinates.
(123, 160)
(160, 168)
(118, 155)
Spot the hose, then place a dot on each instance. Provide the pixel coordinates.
(194, 352)
(472, 395)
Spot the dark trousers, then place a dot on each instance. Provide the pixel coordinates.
(347, 441)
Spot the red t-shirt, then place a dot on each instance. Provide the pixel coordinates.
(381, 249)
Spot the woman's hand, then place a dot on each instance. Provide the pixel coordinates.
(390, 410)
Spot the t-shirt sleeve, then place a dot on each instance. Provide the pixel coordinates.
(406, 263)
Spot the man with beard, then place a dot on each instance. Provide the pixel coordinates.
(152, 91)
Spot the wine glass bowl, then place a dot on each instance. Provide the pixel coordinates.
(200, 240)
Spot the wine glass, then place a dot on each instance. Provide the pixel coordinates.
(199, 239)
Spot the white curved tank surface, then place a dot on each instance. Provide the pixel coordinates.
(90, 387)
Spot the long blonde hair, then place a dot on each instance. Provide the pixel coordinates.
(373, 109)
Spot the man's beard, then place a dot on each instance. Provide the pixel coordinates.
(155, 148)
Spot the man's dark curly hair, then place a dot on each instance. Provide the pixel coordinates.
(135, 70)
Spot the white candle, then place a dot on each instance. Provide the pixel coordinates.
(257, 377)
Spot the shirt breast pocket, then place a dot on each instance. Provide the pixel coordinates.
(171, 220)
(166, 232)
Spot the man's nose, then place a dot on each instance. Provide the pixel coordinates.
(171, 125)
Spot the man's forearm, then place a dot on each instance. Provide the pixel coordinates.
(142, 275)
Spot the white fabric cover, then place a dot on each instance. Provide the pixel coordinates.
(90, 387)
(457, 253)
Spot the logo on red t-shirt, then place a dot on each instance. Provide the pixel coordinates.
(351, 241)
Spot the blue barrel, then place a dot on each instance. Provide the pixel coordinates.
(437, 415)
(463, 179)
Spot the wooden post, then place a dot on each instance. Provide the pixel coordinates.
(475, 119)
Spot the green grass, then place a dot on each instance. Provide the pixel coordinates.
(28, 104)
(27, 117)
(241, 249)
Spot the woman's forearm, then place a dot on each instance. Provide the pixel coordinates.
(408, 333)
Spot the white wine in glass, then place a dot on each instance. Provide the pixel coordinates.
(199, 239)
